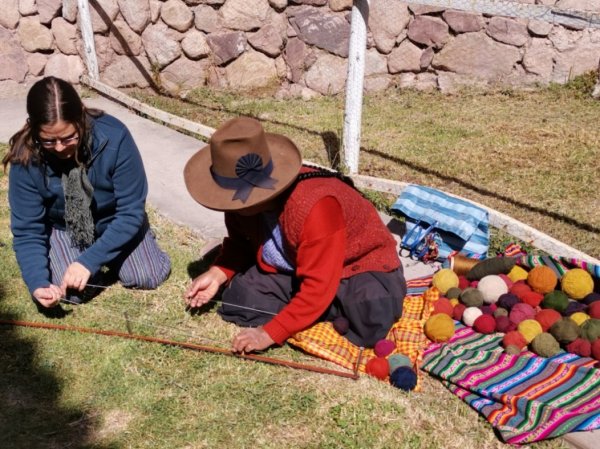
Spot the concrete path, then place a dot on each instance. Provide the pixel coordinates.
(165, 153)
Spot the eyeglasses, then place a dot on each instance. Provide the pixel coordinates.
(65, 141)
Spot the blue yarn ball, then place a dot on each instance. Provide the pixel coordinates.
(404, 378)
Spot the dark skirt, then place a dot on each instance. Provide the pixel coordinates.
(371, 301)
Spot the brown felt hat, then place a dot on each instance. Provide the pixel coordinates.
(242, 166)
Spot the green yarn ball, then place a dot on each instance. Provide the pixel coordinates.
(545, 345)
(565, 330)
(590, 329)
(512, 350)
(493, 265)
(471, 297)
(556, 300)
(453, 293)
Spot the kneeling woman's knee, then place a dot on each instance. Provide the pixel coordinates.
(146, 277)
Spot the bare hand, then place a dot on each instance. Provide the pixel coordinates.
(204, 287)
(252, 339)
(76, 277)
(48, 296)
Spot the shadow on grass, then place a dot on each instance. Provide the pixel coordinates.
(482, 191)
(30, 413)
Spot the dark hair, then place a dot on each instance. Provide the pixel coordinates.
(50, 100)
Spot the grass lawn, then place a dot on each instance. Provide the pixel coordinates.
(531, 155)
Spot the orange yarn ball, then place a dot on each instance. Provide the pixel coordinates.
(542, 279)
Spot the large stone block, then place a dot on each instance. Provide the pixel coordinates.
(14, 62)
(9, 14)
(34, 36)
(161, 49)
(244, 15)
(70, 68)
(387, 19)
(330, 32)
(183, 75)
(136, 13)
(177, 15)
(430, 31)
(251, 70)
(327, 75)
(227, 46)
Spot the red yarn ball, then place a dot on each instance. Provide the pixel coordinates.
(442, 305)
(547, 317)
(463, 282)
(596, 349)
(378, 367)
(458, 310)
(504, 324)
(384, 347)
(519, 288)
(580, 347)
(514, 338)
(532, 298)
(485, 324)
(594, 309)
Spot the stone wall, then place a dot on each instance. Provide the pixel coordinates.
(299, 45)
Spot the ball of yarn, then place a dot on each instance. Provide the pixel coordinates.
(454, 302)
(593, 309)
(565, 331)
(580, 317)
(488, 309)
(514, 338)
(506, 280)
(512, 350)
(577, 283)
(470, 315)
(590, 330)
(500, 311)
(442, 305)
(574, 307)
(521, 312)
(542, 279)
(532, 298)
(444, 280)
(439, 328)
(398, 360)
(580, 346)
(463, 282)
(530, 329)
(404, 378)
(507, 301)
(517, 273)
(378, 367)
(519, 288)
(545, 345)
(471, 297)
(547, 317)
(592, 297)
(458, 311)
(556, 300)
(492, 287)
(473, 284)
(504, 325)
(341, 325)
(596, 349)
(492, 265)
(384, 347)
(485, 324)
(453, 293)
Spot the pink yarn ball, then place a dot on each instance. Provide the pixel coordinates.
(384, 347)
(521, 312)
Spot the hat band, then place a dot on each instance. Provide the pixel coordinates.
(250, 173)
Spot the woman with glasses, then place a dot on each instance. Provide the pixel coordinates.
(77, 194)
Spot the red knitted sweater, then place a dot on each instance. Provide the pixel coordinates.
(330, 232)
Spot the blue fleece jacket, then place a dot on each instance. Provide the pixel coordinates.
(37, 203)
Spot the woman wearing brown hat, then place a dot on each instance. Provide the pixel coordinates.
(302, 245)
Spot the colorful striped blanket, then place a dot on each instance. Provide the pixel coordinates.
(525, 398)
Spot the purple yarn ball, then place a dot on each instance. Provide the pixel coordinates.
(508, 301)
(341, 325)
(590, 298)
(573, 307)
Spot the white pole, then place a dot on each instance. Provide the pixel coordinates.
(87, 32)
(354, 84)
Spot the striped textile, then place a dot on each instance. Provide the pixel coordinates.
(462, 226)
(323, 340)
(146, 266)
(559, 265)
(526, 398)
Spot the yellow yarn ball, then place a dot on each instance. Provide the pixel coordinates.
(454, 302)
(517, 273)
(444, 280)
(530, 329)
(577, 283)
(580, 317)
(439, 328)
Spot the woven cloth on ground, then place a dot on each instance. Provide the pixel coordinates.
(324, 341)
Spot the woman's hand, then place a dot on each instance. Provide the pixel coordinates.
(76, 277)
(252, 339)
(48, 296)
(204, 287)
